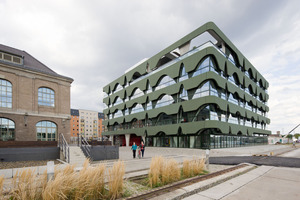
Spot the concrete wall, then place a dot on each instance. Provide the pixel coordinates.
(104, 152)
(25, 154)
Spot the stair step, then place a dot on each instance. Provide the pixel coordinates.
(76, 155)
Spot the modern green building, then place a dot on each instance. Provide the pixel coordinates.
(203, 96)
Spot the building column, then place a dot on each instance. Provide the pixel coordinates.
(144, 139)
(127, 138)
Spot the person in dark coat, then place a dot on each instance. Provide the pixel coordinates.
(142, 147)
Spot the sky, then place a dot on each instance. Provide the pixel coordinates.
(95, 41)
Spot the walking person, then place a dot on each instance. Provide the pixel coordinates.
(133, 148)
(142, 147)
(294, 144)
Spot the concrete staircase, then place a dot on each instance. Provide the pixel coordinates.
(76, 156)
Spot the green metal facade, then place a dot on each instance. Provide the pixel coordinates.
(211, 90)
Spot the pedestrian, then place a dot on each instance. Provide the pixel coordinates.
(294, 144)
(133, 148)
(142, 147)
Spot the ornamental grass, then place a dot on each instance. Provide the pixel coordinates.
(88, 183)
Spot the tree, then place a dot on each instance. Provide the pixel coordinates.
(289, 136)
(297, 135)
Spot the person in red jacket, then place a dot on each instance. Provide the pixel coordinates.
(142, 147)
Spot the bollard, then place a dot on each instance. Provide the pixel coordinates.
(50, 170)
(207, 159)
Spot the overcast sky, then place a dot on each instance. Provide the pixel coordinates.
(95, 41)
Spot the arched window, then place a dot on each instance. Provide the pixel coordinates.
(118, 101)
(164, 101)
(46, 131)
(202, 91)
(183, 95)
(118, 114)
(126, 112)
(46, 97)
(202, 114)
(137, 108)
(202, 67)
(149, 105)
(137, 93)
(7, 129)
(5, 94)
(165, 82)
(183, 75)
(118, 88)
(149, 89)
(230, 58)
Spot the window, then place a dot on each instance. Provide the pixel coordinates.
(118, 114)
(164, 101)
(118, 88)
(183, 95)
(202, 91)
(183, 75)
(137, 108)
(5, 94)
(149, 105)
(118, 101)
(46, 97)
(202, 67)
(46, 131)
(149, 89)
(165, 82)
(7, 129)
(137, 93)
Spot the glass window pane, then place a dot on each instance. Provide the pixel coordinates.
(46, 97)
(47, 129)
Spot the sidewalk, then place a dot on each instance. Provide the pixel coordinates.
(263, 183)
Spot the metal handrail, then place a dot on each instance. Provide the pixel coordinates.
(64, 147)
(86, 146)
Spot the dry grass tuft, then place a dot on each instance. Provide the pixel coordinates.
(163, 171)
(155, 171)
(1, 185)
(186, 172)
(171, 171)
(25, 185)
(115, 182)
(193, 167)
(66, 184)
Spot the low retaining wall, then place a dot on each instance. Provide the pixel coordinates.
(19, 144)
(104, 152)
(29, 153)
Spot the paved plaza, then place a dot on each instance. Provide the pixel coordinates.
(264, 182)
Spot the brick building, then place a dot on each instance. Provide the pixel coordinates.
(34, 100)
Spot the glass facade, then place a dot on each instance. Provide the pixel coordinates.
(210, 90)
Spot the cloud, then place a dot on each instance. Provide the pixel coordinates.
(94, 42)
